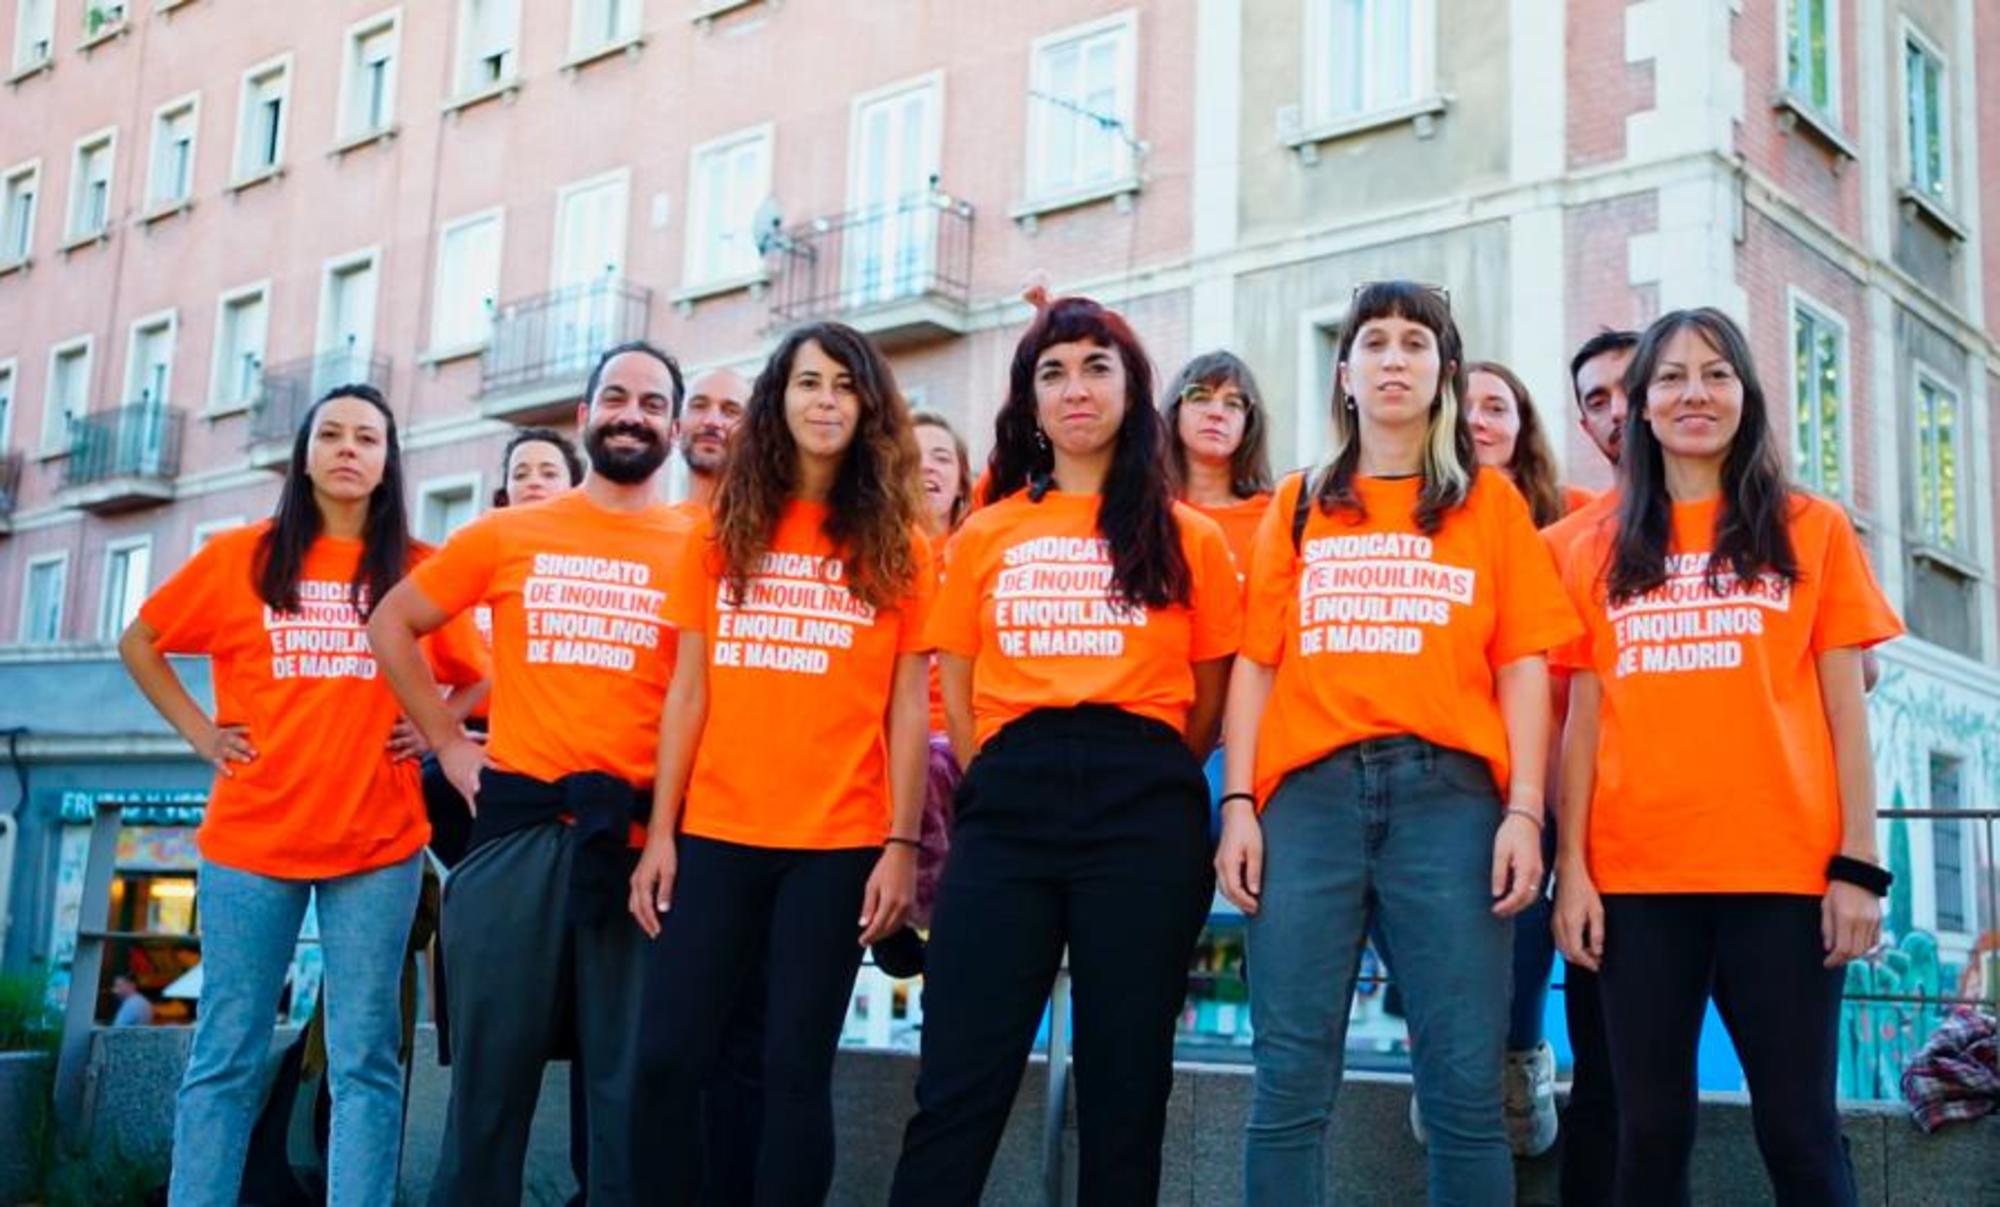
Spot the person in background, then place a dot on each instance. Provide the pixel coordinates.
(1507, 434)
(538, 463)
(135, 1009)
(715, 404)
(945, 470)
(1216, 447)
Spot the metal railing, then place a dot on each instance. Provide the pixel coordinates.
(11, 463)
(287, 391)
(556, 337)
(919, 246)
(138, 440)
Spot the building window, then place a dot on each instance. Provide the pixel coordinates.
(171, 178)
(1365, 56)
(887, 252)
(68, 393)
(42, 602)
(100, 16)
(1819, 399)
(1081, 107)
(368, 86)
(238, 372)
(1948, 845)
(596, 24)
(446, 507)
(17, 213)
(127, 565)
(729, 178)
(468, 282)
(346, 340)
(149, 362)
(1925, 102)
(208, 530)
(90, 186)
(1812, 59)
(1938, 422)
(7, 376)
(34, 33)
(260, 123)
(488, 33)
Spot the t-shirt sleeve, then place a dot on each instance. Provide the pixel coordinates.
(1273, 575)
(1852, 609)
(691, 587)
(914, 612)
(187, 608)
(457, 656)
(1217, 600)
(953, 625)
(1533, 613)
(1578, 578)
(458, 575)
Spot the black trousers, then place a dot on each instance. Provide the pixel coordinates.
(738, 909)
(1761, 957)
(1083, 827)
(1590, 1123)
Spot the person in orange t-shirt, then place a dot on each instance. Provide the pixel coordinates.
(946, 474)
(791, 759)
(1085, 625)
(534, 930)
(1216, 447)
(316, 799)
(1390, 718)
(1718, 797)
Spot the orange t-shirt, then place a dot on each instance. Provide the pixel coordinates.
(1027, 596)
(794, 753)
(581, 648)
(1715, 769)
(322, 798)
(1576, 498)
(1239, 521)
(1376, 629)
(937, 544)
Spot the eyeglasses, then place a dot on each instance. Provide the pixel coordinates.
(1442, 292)
(1198, 395)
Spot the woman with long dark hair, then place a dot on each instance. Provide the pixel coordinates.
(1386, 735)
(1718, 797)
(1216, 447)
(1085, 628)
(310, 804)
(791, 763)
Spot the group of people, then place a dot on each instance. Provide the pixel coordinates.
(726, 747)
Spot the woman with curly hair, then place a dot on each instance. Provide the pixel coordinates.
(791, 763)
(1085, 626)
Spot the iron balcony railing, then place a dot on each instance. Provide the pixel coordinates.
(138, 440)
(10, 482)
(918, 247)
(554, 338)
(287, 391)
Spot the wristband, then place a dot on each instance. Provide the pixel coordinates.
(1861, 874)
(1530, 814)
(1230, 796)
(898, 840)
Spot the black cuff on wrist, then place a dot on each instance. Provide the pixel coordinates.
(1230, 796)
(1860, 873)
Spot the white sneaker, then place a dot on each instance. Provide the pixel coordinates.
(1528, 1087)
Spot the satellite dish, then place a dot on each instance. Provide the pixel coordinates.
(767, 227)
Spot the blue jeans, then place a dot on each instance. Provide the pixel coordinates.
(1400, 831)
(250, 925)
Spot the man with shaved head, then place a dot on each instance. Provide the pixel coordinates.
(715, 404)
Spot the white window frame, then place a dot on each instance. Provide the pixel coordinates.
(1798, 303)
(583, 42)
(208, 530)
(622, 177)
(220, 371)
(25, 37)
(704, 227)
(463, 52)
(105, 140)
(440, 339)
(156, 198)
(1922, 375)
(107, 631)
(162, 320)
(10, 399)
(25, 622)
(348, 126)
(1044, 113)
(1315, 104)
(1792, 15)
(336, 266)
(1968, 846)
(447, 484)
(29, 170)
(1912, 35)
(241, 168)
(55, 435)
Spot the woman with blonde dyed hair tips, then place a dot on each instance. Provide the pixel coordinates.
(1386, 730)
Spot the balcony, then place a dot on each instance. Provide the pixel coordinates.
(287, 391)
(901, 272)
(543, 347)
(11, 462)
(124, 459)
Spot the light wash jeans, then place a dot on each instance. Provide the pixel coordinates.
(250, 925)
(1400, 831)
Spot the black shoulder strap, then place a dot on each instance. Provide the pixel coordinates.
(1301, 509)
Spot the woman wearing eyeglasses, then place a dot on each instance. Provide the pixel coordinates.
(1216, 447)
(1386, 730)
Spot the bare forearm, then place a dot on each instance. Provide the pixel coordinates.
(163, 689)
(1524, 710)
(1243, 713)
(393, 635)
(955, 685)
(1211, 689)
(1579, 769)
(909, 747)
(1843, 693)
